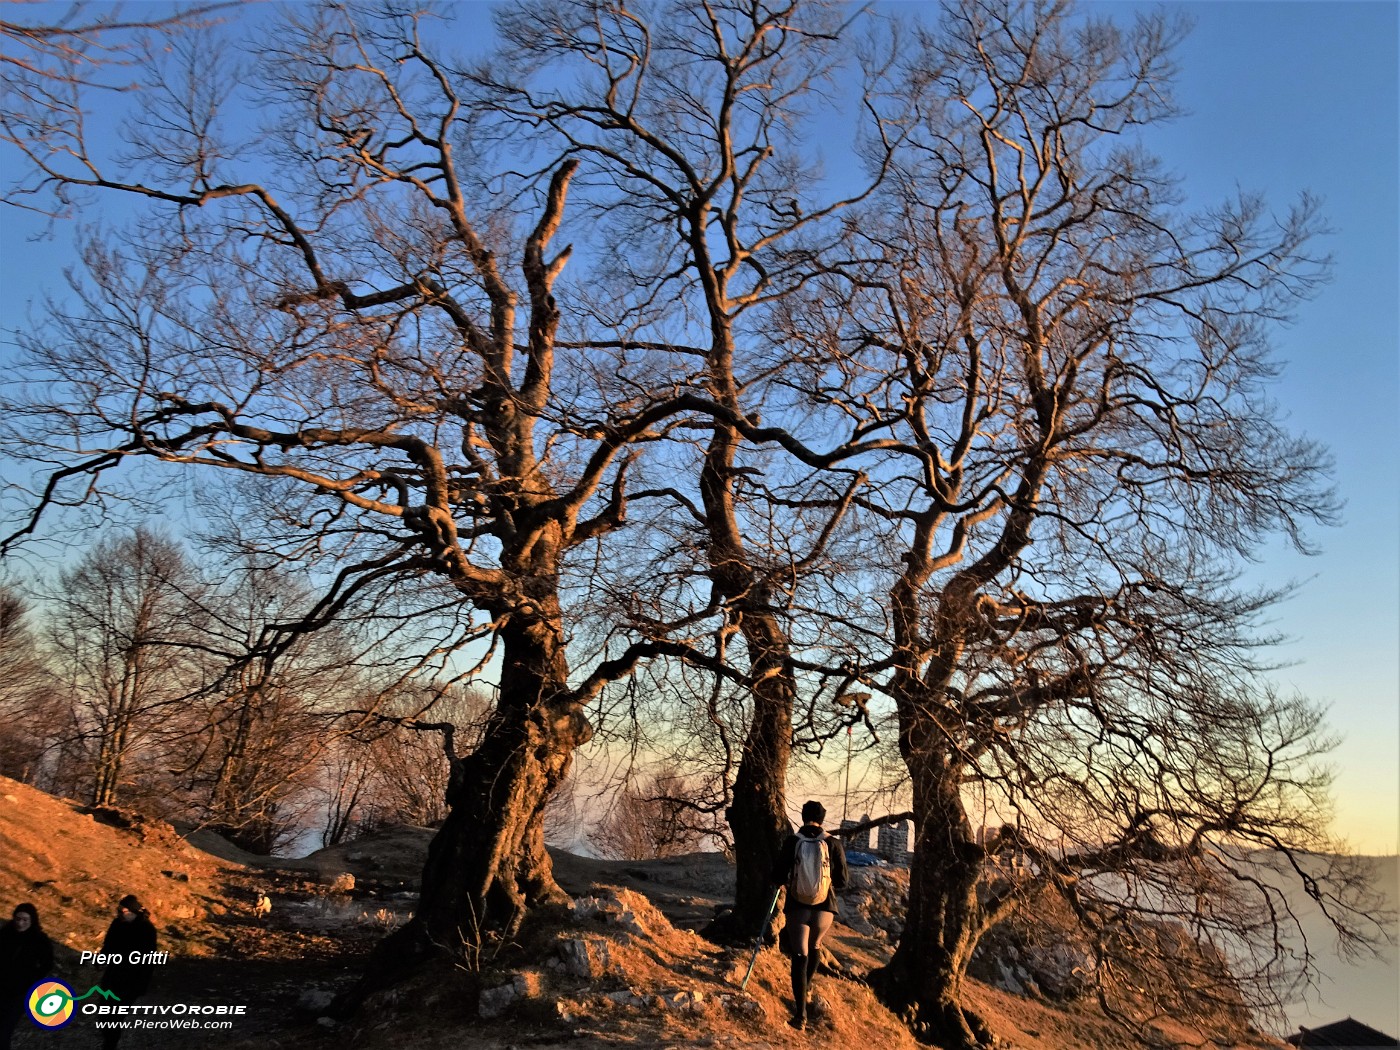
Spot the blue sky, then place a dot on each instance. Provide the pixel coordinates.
(1286, 97)
(1281, 98)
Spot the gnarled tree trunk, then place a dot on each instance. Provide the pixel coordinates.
(757, 812)
(487, 865)
(923, 980)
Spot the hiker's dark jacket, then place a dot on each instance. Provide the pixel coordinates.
(787, 858)
(25, 960)
(127, 979)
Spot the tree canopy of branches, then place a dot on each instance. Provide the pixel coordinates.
(124, 623)
(1070, 371)
(386, 350)
(689, 119)
(49, 64)
(984, 436)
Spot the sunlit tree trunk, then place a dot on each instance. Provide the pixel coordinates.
(487, 865)
(756, 812)
(923, 981)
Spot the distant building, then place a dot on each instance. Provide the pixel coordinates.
(859, 841)
(893, 840)
(1008, 857)
(1346, 1035)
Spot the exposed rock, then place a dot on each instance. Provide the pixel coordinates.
(626, 997)
(1036, 952)
(681, 1001)
(877, 898)
(315, 1000)
(622, 908)
(588, 958)
(496, 1001)
(743, 1006)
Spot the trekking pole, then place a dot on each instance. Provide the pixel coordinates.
(758, 941)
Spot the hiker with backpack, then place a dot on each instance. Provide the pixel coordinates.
(812, 865)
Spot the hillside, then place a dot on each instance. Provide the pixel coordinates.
(621, 967)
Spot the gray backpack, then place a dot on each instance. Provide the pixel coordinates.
(811, 870)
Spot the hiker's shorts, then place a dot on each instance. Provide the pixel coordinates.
(806, 926)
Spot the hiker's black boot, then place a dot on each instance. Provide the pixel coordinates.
(799, 992)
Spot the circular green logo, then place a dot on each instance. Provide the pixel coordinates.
(51, 1004)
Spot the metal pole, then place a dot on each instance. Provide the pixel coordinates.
(846, 800)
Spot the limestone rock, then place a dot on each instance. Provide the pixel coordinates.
(496, 1001)
(587, 958)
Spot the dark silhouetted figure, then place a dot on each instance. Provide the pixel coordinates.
(131, 932)
(26, 958)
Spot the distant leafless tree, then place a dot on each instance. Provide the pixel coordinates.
(393, 766)
(342, 783)
(124, 623)
(412, 771)
(32, 711)
(255, 732)
(649, 818)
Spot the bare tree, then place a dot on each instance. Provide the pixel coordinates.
(80, 38)
(254, 734)
(648, 819)
(694, 116)
(1070, 374)
(985, 438)
(357, 322)
(403, 747)
(341, 786)
(124, 621)
(48, 61)
(31, 703)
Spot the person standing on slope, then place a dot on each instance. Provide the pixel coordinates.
(26, 958)
(131, 934)
(812, 865)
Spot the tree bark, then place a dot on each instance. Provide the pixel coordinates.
(923, 980)
(757, 813)
(487, 865)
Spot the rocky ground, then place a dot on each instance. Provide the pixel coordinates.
(622, 967)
